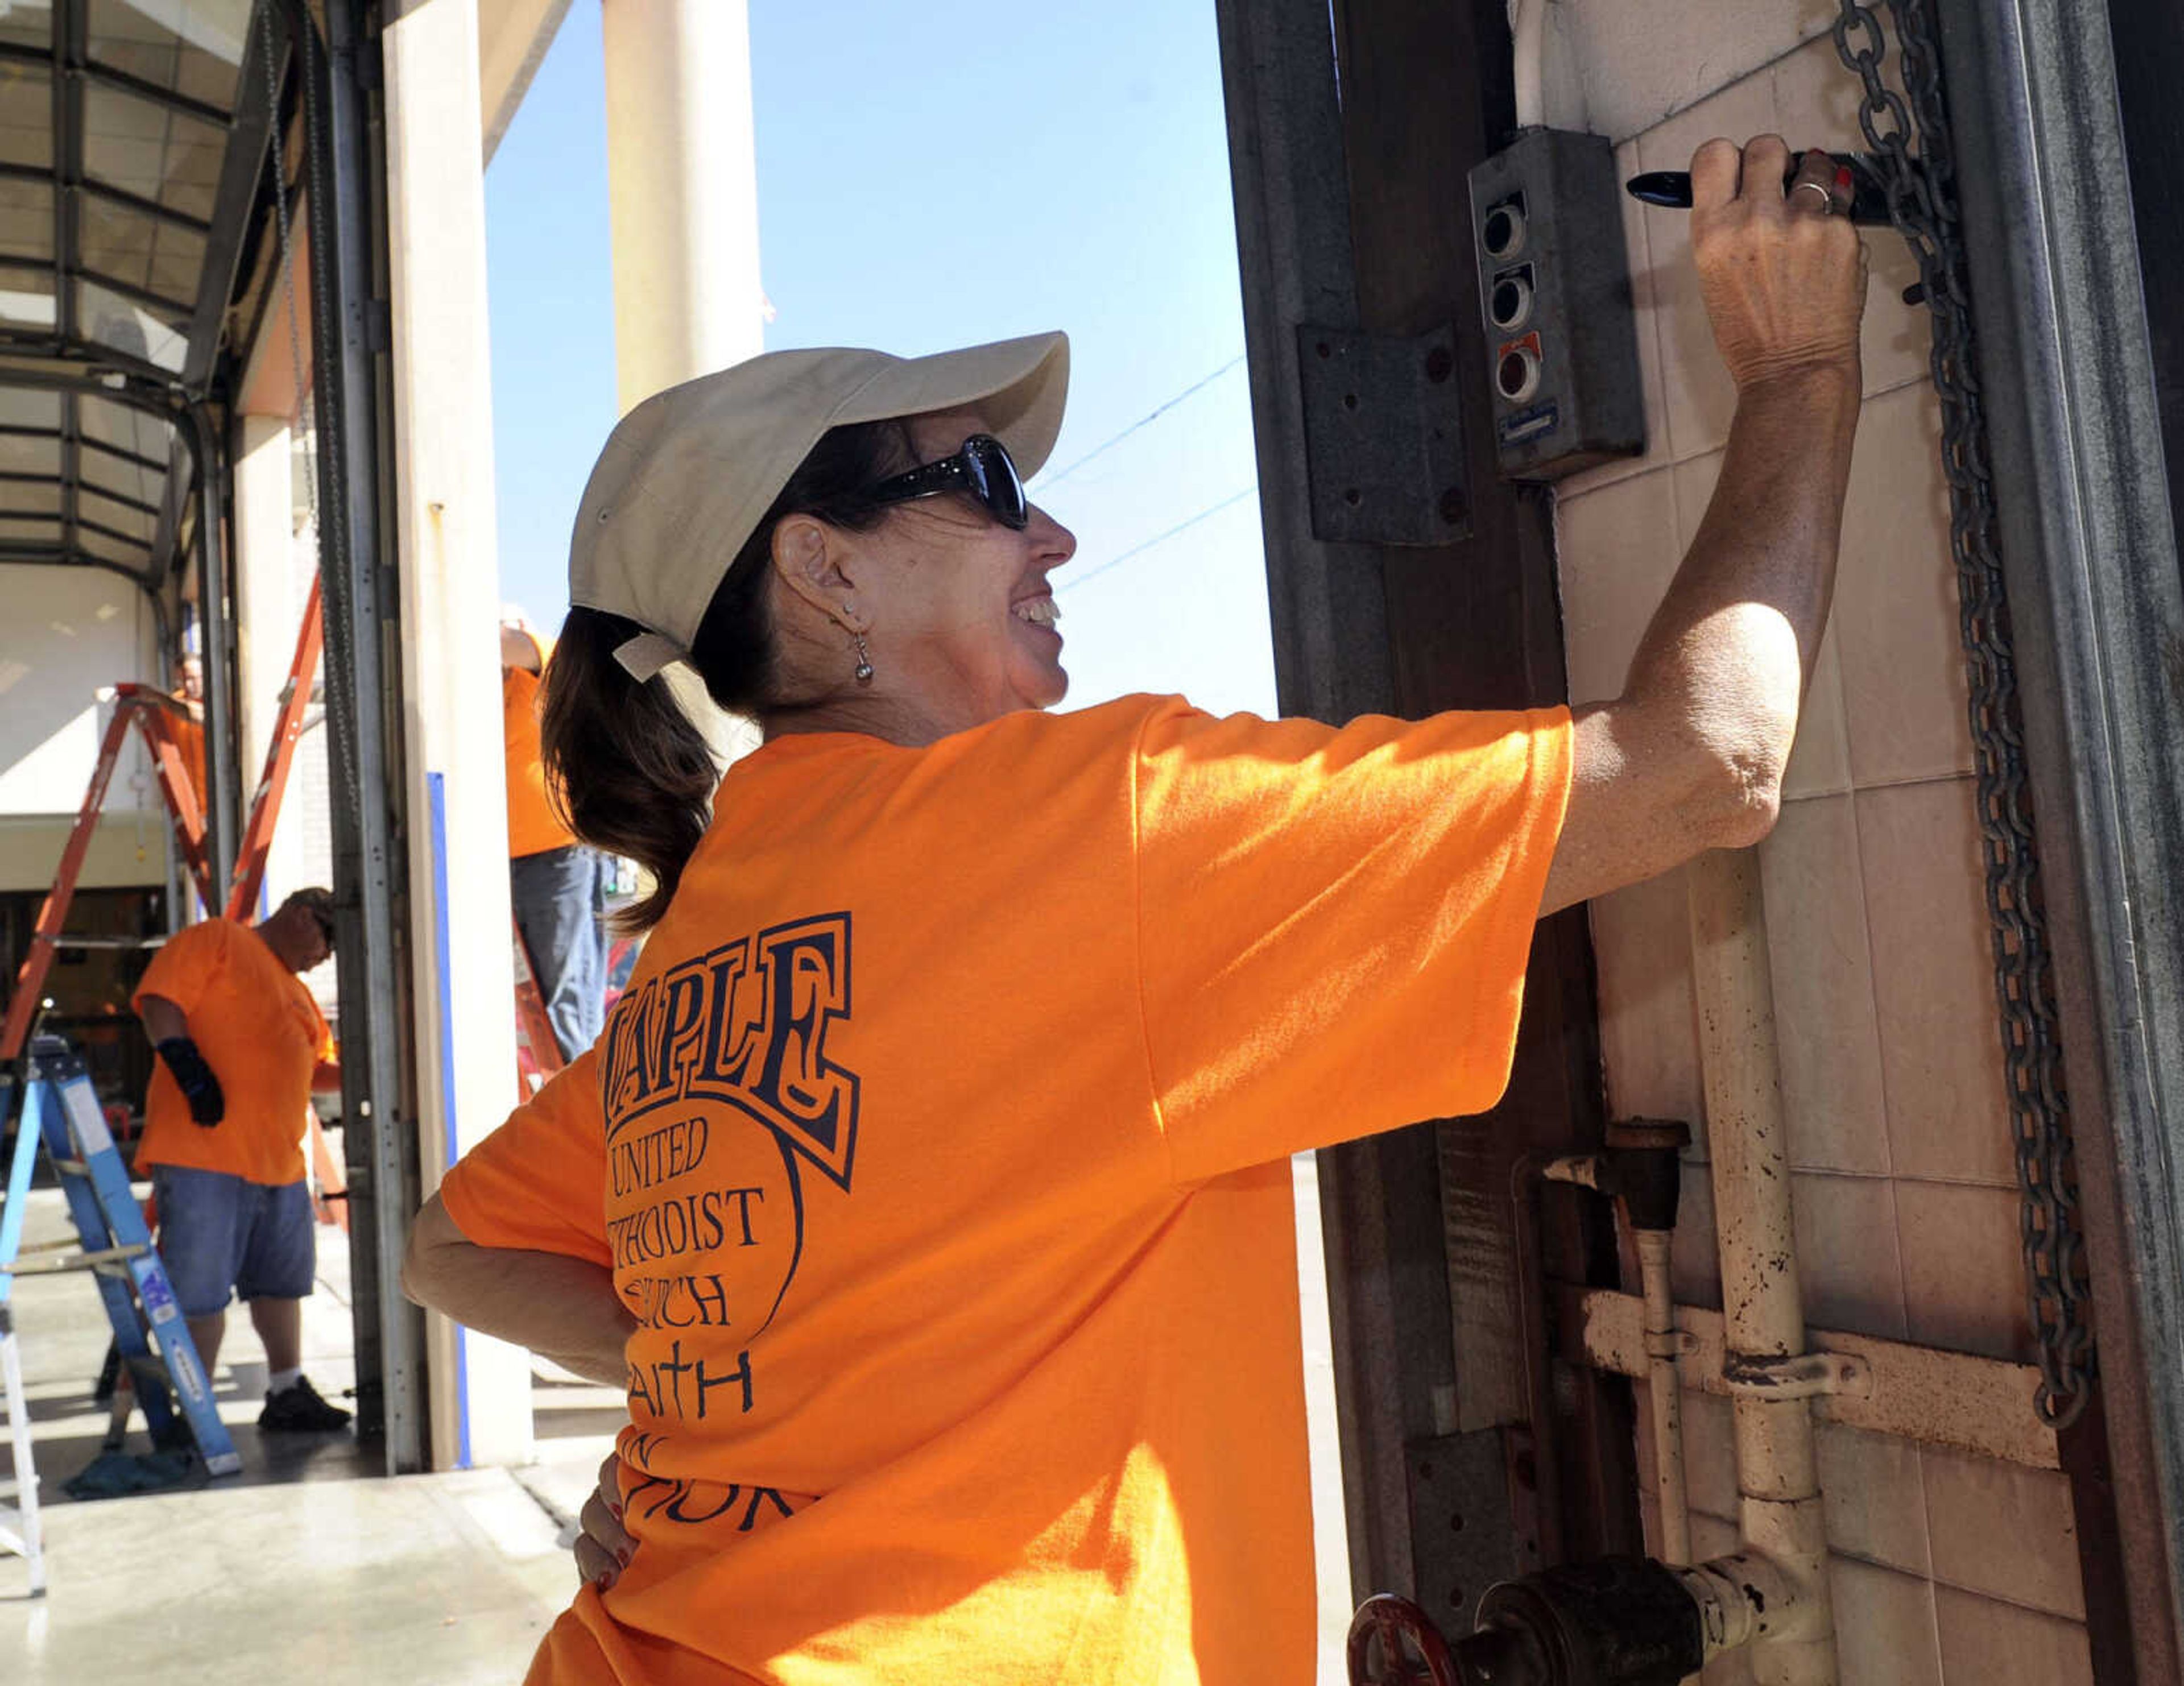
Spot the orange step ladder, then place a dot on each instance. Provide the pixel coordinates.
(148, 711)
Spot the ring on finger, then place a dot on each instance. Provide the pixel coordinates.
(1827, 195)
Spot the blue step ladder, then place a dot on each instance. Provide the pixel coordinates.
(61, 1112)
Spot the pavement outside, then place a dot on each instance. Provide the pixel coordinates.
(307, 1566)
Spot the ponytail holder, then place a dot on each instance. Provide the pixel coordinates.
(643, 656)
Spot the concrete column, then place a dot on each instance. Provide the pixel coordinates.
(682, 191)
(267, 612)
(463, 1024)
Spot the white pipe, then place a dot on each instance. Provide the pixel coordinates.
(1661, 1347)
(1744, 1600)
(1763, 1308)
(1528, 28)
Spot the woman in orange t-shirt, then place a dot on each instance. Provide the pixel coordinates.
(926, 1189)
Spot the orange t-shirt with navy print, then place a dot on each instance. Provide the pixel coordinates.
(531, 827)
(264, 1036)
(939, 1148)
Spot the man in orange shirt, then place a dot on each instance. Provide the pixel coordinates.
(241, 1046)
(557, 885)
(186, 705)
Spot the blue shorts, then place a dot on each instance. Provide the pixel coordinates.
(218, 1231)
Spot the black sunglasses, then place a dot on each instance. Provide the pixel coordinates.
(982, 468)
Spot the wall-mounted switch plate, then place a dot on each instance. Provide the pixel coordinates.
(1554, 294)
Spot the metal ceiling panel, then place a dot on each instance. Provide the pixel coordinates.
(133, 137)
(26, 119)
(22, 498)
(29, 453)
(152, 150)
(26, 298)
(26, 219)
(190, 46)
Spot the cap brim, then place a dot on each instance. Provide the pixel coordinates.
(1022, 386)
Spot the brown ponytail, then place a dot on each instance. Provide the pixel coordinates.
(625, 768)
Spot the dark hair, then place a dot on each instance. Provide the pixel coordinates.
(625, 768)
(316, 901)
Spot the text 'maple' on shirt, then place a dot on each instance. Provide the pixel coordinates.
(939, 1146)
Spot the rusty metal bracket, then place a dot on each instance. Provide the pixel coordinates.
(1981, 1405)
(1809, 1376)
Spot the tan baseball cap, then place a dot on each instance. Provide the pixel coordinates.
(687, 476)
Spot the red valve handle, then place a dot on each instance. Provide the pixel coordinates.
(1412, 1652)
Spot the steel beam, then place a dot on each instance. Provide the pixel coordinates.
(241, 179)
(1292, 200)
(364, 706)
(65, 65)
(71, 465)
(1348, 160)
(1331, 661)
(16, 343)
(223, 797)
(2090, 554)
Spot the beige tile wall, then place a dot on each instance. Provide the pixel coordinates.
(1952, 1570)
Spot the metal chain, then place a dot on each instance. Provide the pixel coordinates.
(1922, 203)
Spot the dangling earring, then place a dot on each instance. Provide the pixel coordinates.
(863, 672)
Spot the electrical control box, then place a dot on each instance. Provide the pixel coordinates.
(1554, 291)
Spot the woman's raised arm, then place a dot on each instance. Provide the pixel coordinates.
(1691, 756)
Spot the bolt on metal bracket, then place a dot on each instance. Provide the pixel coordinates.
(1809, 1376)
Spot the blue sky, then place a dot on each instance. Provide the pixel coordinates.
(924, 184)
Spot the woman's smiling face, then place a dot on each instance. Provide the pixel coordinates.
(960, 609)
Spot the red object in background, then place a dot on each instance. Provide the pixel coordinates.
(1411, 1650)
(621, 960)
(538, 1050)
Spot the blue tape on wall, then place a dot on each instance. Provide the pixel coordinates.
(435, 789)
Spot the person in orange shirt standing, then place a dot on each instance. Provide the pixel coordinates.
(187, 708)
(241, 1046)
(929, 1191)
(557, 885)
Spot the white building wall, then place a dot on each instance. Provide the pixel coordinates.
(68, 633)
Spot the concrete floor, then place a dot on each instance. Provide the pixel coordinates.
(297, 1567)
(308, 1564)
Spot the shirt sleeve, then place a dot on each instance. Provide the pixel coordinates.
(538, 1184)
(1333, 923)
(187, 966)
